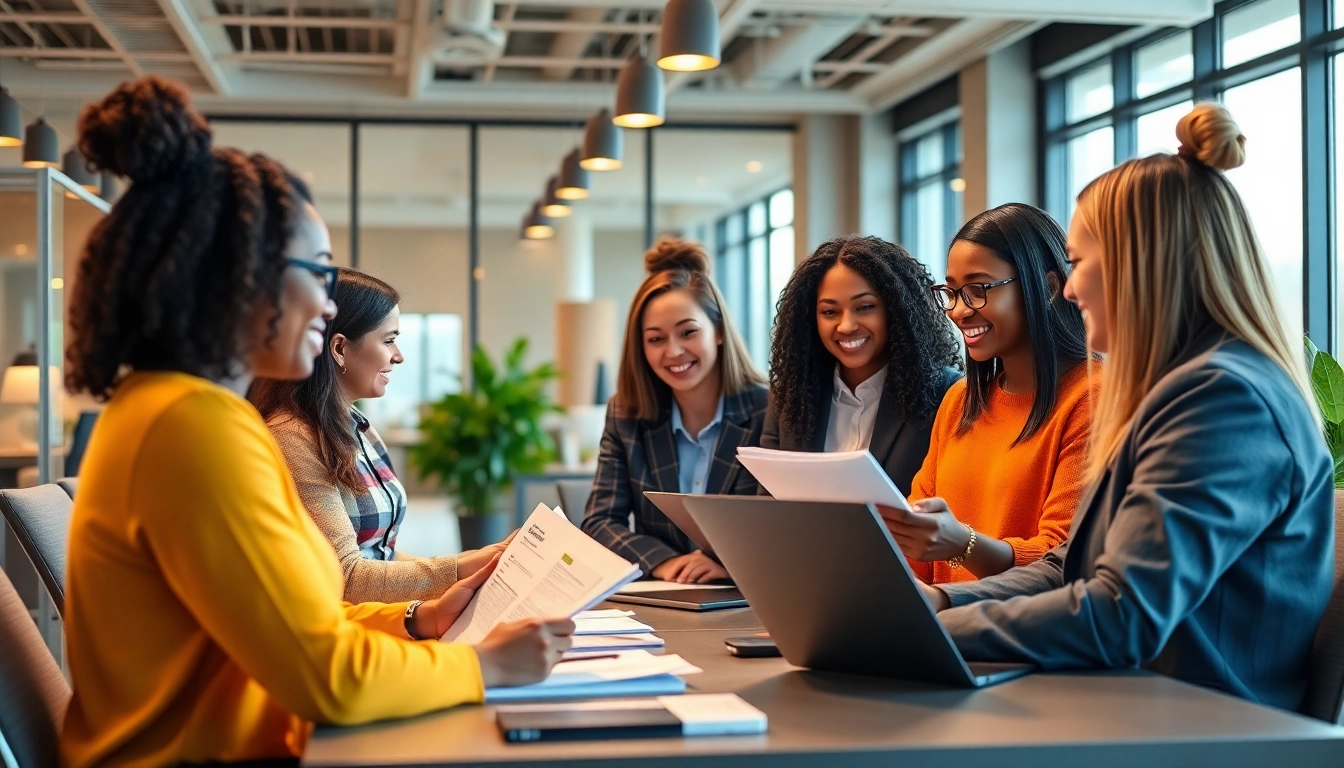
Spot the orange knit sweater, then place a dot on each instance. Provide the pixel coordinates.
(1024, 494)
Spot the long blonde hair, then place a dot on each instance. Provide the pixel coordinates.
(1178, 252)
(672, 265)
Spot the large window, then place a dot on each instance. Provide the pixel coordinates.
(755, 257)
(931, 190)
(1251, 56)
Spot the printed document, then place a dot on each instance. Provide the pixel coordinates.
(551, 569)
(850, 477)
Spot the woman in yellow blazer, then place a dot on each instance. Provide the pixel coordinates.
(204, 614)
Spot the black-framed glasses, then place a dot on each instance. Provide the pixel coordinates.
(973, 295)
(324, 272)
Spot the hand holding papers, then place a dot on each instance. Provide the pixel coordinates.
(852, 477)
(550, 570)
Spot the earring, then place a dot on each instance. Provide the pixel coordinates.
(342, 370)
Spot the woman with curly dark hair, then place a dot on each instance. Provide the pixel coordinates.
(861, 356)
(1009, 446)
(204, 619)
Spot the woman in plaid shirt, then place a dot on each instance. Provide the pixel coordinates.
(339, 462)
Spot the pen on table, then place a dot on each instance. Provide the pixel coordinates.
(591, 658)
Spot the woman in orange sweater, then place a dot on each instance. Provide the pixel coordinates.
(1004, 472)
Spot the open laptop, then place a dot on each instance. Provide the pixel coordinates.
(674, 506)
(835, 592)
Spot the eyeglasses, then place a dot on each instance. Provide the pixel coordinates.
(973, 295)
(324, 272)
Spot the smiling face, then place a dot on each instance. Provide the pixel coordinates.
(852, 323)
(680, 342)
(284, 347)
(368, 360)
(999, 328)
(1086, 287)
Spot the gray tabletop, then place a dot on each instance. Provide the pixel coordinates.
(1102, 718)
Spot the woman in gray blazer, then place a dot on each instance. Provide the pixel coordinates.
(1204, 547)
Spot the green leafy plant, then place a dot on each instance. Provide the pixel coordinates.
(1327, 381)
(475, 443)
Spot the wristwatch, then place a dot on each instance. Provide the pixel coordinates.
(410, 619)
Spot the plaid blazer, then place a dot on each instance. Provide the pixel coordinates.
(641, 455)
(899, 444)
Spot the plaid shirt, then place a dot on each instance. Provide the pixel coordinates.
(380, 512)
(638, 456)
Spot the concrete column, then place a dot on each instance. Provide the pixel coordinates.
(825, 180)
(574, 249)
(998, 130)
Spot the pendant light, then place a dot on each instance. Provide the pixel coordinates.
(551, 203)
(537, 226)
(574, 178)
(77, 168)
(603, 144)
(639, 95)
(11, 120)
(689, 38)
(41, 146)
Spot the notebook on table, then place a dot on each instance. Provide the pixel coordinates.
(711, 714)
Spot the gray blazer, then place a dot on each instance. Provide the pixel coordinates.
(898, 444)
(638, 456)
(1206, 552)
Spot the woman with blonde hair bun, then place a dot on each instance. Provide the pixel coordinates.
(1204, 548)
(687, 396)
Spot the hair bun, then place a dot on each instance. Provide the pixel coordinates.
(144, 129)
(675, 253)
(1210, 135)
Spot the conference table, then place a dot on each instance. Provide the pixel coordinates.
(1096, 719)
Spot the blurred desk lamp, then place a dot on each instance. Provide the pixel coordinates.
(21, 388)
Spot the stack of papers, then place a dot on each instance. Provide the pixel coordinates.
(651, 587)
(609, 622)
(850, 477)
(551, 569)
(593, 645)
(704, 714)
(625, 673)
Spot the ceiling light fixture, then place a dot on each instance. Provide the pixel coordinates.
(754, 166)
(41, 146)
(536, 225)
(689, 38)
(552, 205)
(639, 95)
(11, 120)
(77, 168)
(574, 178)
(603, 143)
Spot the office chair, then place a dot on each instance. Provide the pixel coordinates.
(1325, 687)
(40, 519)
(69, 485)
(33, 694)
(574, 498)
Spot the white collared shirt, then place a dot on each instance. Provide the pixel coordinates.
(853, 414)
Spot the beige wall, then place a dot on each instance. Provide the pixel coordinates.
(521, 283)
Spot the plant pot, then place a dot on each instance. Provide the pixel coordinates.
(478, 531)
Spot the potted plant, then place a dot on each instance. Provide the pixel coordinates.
(1327, 381)
(475, 443)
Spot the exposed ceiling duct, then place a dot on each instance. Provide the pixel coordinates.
(772, 62)
(468, 34)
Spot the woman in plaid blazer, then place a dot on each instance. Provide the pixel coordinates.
(687, 397)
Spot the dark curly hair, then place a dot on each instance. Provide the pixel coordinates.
(316, 401)
(167, 279)
(919, 337)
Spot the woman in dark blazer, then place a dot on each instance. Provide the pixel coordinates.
(687, 397)
(1204, 548)
(861, 357)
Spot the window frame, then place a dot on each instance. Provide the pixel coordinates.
(724, 242)
(912, 183)
(1313, 54)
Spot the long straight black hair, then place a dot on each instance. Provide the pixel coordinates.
(363, 302)
(1033, 242)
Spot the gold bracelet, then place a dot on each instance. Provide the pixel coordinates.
(958, 561)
